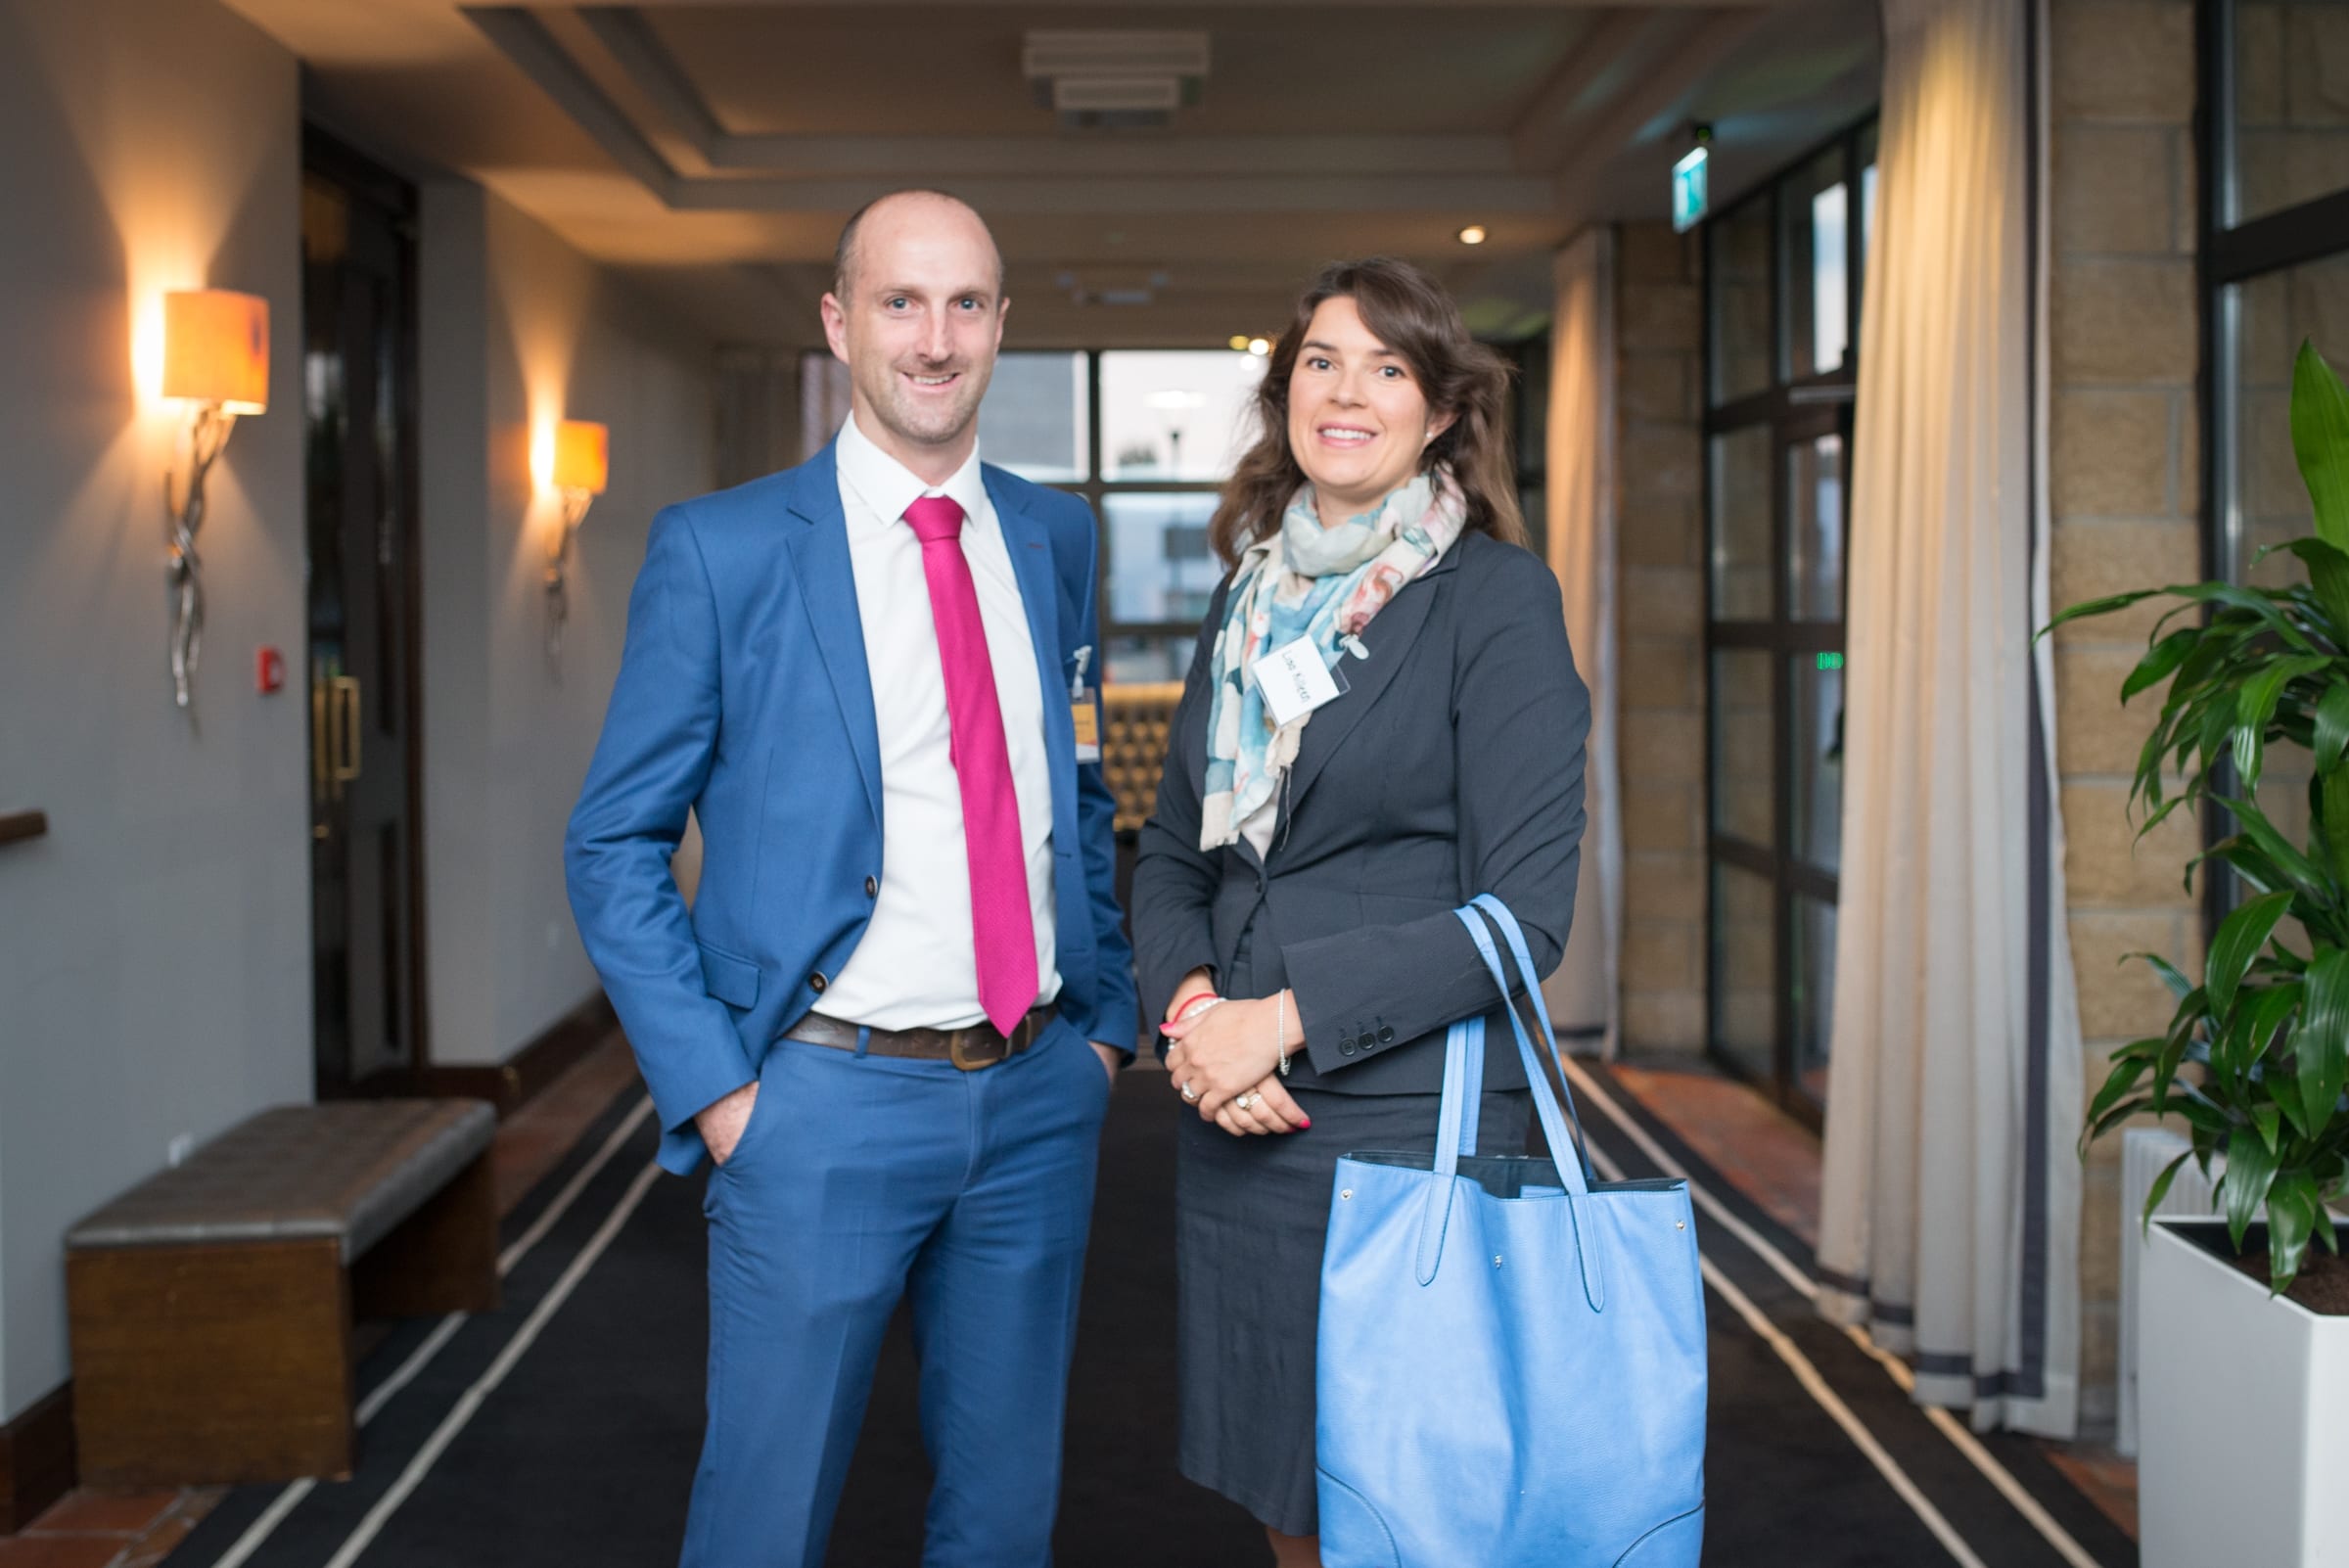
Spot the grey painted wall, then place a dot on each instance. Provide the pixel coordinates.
(155, 974)
(154, 949)
(506, 739)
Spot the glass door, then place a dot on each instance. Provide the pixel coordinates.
(359, 422)
(1783, 269)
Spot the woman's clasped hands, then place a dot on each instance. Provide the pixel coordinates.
(1224, 1058)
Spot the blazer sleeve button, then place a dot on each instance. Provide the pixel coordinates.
(817, 982)
(1386, 1034)
(872, 886)
(1346, 1046)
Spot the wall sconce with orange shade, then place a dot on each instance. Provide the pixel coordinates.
(215, 356)
(583, 465)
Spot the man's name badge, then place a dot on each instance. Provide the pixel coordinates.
(1084, 707)
(1295, 681)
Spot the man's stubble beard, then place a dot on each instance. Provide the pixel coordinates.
(896, 408)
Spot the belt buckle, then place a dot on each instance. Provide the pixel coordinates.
(958, 1052)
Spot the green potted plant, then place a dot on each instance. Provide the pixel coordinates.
(2240, 1319)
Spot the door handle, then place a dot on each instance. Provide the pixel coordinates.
(347, 737)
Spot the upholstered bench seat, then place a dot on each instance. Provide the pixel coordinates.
(212, 1304)
(351, 1170)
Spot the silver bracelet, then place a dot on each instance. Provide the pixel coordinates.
(1280, 1029)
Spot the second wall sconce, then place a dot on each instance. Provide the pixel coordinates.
(215, 356)
(583, 465)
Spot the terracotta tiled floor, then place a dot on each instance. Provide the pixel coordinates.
(2108, 1480)
(1771, 1158)
(90, 1529)
(108, 1530)
(533, 1140)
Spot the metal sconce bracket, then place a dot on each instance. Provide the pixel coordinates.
(208, 433)
(558, 594)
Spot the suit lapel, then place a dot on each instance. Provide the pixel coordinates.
(818, 538)
(1031, 551)
(1388, 639)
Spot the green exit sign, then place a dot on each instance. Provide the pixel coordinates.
(1689, 191)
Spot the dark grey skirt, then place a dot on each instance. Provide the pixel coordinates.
(1251, 1215)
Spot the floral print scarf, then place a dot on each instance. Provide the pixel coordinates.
(1306, 582)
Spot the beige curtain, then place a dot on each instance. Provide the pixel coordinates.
(1949, 1214)
(1583, 1000)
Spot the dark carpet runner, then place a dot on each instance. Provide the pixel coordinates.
(582, 1457)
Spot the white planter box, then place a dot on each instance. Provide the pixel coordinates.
(2242, 1416)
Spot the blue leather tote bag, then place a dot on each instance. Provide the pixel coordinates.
(1512, 1352)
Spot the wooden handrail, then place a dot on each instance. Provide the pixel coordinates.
(14, 825)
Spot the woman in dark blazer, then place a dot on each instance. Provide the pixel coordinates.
(1292, 905)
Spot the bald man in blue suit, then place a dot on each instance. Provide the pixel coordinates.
(813, 1024)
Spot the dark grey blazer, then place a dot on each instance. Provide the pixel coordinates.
(1451, 767)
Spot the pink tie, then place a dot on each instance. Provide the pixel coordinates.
(1002, 927)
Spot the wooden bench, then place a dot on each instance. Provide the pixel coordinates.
(210, 1307)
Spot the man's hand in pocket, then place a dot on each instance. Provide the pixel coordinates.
(722, 1122)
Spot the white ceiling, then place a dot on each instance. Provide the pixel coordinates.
(710, 151)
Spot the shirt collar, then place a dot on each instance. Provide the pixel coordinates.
(888, 486)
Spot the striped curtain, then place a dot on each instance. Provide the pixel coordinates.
(1950, 1219)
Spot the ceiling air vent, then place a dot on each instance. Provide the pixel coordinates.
(1096, 81)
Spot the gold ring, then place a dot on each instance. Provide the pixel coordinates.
(1248, 1101)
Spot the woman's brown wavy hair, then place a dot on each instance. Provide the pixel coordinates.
(1408, 312)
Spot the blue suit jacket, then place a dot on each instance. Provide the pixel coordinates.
(743, 695)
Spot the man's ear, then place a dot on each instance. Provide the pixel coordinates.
(836, 326)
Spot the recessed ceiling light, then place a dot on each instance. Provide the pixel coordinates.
(1259, 347)
(1239, 342)
(1473, 234)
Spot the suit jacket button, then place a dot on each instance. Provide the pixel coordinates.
(817, 982)
(1346, 1046)
(872, 886)
(1386, 1034)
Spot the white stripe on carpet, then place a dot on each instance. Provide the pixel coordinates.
(470, 1403)
(262, 1528)
(1825, 1397)
(1963, 1440)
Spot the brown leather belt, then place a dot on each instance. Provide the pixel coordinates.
(980, 1046)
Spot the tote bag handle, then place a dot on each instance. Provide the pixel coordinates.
(1463, 1059)
(1463, 1089)
(1464, 1067)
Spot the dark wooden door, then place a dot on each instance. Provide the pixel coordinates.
(360, 414)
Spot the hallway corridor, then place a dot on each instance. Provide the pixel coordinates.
(1830, 348)
(564, 1428)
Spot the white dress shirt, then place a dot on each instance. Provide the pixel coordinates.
(917, 967)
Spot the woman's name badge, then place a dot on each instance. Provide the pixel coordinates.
(1295, 681)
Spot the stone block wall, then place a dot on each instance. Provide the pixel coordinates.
(1660, 635)
(2291, 101)
(2124, 477)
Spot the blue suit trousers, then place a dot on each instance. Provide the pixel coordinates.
(861, 1180)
